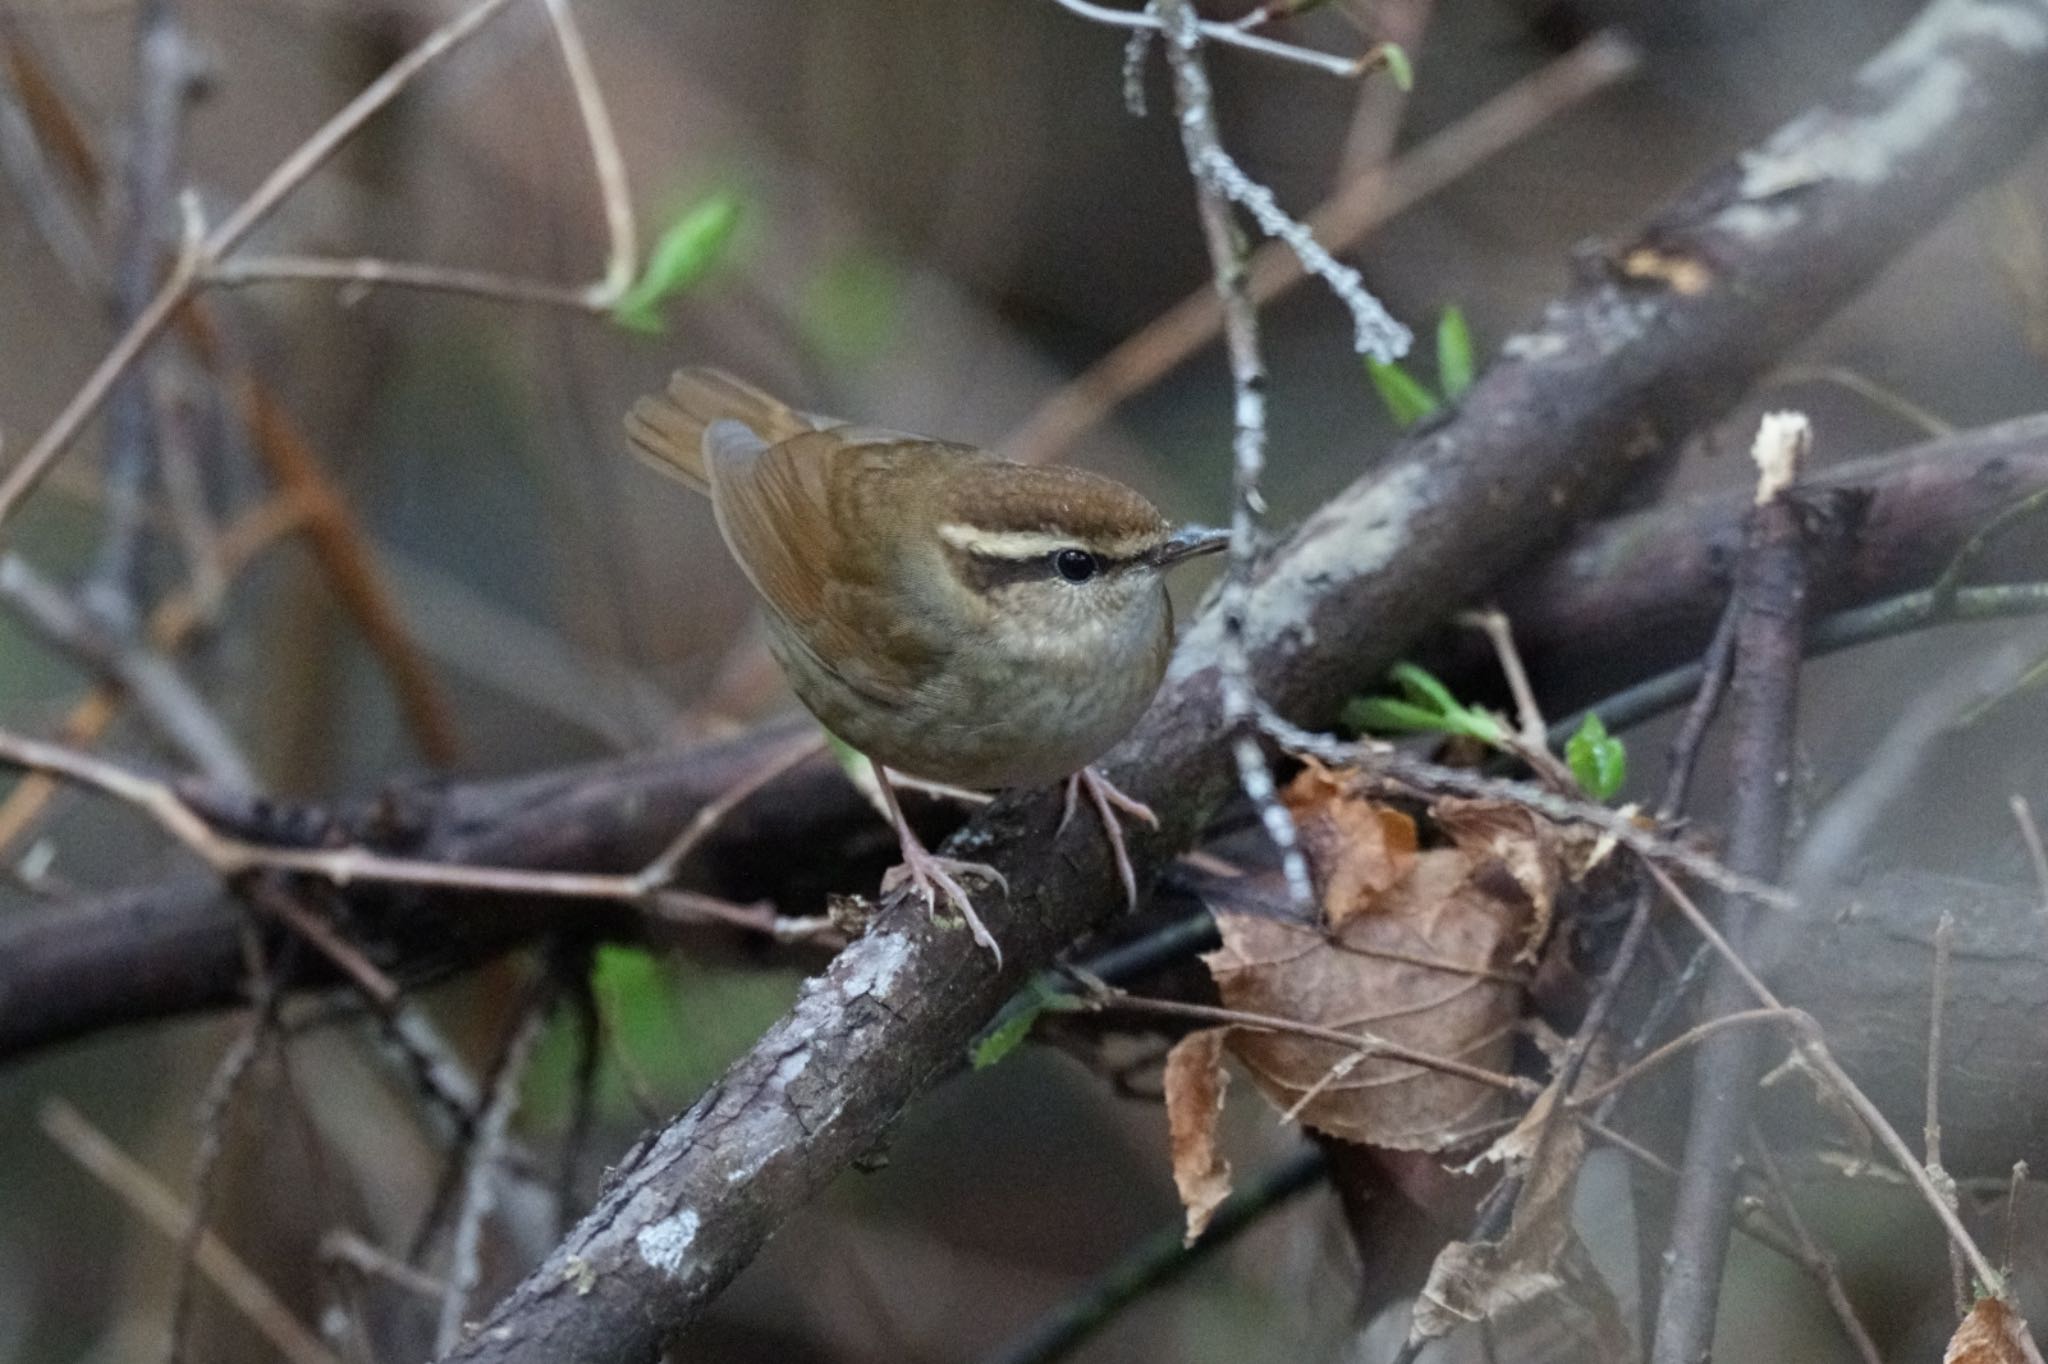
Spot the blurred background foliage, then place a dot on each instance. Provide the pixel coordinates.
(932, 211)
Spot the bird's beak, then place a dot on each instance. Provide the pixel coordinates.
(1188, 542)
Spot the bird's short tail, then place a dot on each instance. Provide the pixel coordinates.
(667, 429)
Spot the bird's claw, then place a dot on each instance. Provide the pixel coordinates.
(1107, 800)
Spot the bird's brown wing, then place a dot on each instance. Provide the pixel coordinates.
(790, 512)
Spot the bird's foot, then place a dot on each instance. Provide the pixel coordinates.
(1108, 800)
(937, 878)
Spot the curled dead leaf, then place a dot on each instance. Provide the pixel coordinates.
(1421, 970)
(1195, 1086)
(1356, 849)
(1992, 1334)
(1537, 855)
(1539, 1255)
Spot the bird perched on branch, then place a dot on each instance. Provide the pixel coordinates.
(951, 615)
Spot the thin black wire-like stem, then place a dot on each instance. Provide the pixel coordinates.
(1157, 1261)
(1885, 619)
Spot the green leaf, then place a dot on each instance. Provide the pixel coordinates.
(1453, 353)
(1597, 759)
(1015, 1022)
(1394, 57)
(1423, 687)
(694, 242)
(1389, 715)
(1404, 396)
(1428, 708)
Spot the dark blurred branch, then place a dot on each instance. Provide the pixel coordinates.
(1659, 578)
(162, 950)
(167, 301)
(165, 80)
(1618, 371)
(172, 707)
(1769, 609)
(338, 543)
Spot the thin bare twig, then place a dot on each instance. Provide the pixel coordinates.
(345, 1248)
(1363, 1043)
(171, 624)
(161, 1210)
(623, 254)
(171, 705)
(1377, 762)
(1230, 35)
(1810, 1253)
(211, 1119)
(1361, 205)
(2037, 852)
(1944, 949)
(214, 246)
(378, 988)
(1813, 1049)
(370, 272)
(1201, 142)
(622, 250)
(1675, 1048)
(1492, 622)
(484, 1156)
(164, 83)
(229, 856)
(662, 869)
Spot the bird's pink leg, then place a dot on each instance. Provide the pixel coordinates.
(936, 877)
(1107, 800)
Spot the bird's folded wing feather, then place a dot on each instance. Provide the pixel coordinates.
(832, 590)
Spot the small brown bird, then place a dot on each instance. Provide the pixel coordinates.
(952, 615)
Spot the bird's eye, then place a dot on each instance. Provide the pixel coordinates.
(1076, 565)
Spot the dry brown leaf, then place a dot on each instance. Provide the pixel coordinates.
(1421, 970)
(1539, 1255)
(1356, 849)
(1195, 1085)
(1992, 1334)
(1527, 847)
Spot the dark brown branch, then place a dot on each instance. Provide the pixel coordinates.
(1769, 608)
(162, 950)
(156, 951)
(1659, 578)
(1618, 371)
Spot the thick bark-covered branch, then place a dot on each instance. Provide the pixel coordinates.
(1660, 578)
(1655, 579)
(170, 948)
(1616, 373)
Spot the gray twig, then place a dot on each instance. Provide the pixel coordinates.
(180, 716)
(1213, 193)
(481, 1170)
(164, 80)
